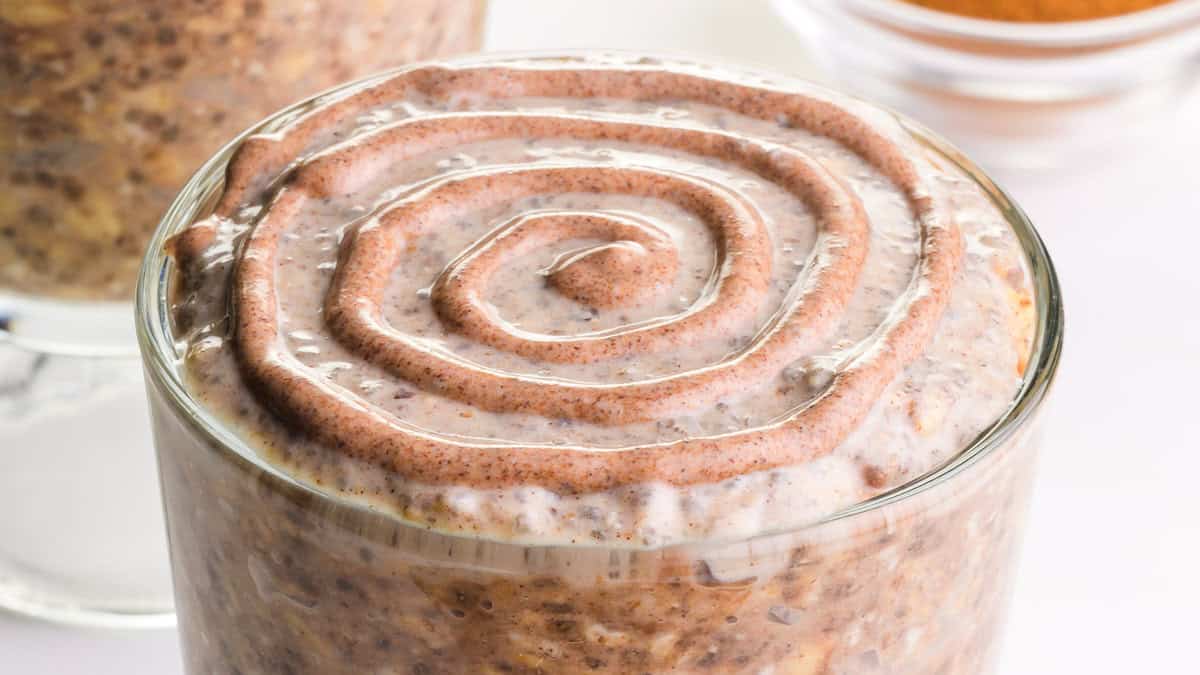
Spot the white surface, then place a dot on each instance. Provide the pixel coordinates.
(92, 520)
(1109, 580)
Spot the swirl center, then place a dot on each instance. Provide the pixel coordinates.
(639, 261)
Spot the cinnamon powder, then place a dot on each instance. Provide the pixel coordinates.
(1039, 11)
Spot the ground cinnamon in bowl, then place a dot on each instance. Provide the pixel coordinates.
(1039, 11)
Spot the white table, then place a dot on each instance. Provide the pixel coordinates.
(1109, 580)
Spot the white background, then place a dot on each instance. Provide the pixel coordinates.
(1109, 577)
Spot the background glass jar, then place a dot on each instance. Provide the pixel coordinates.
(273, 574)
(105, 109)
(1014, 95)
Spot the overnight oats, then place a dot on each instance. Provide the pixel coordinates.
(107, 107)
(594, 364)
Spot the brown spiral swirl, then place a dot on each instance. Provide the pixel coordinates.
(637, 261)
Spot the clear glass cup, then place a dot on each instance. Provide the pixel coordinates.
(1013, 95)
(106, 108)
(276, 575)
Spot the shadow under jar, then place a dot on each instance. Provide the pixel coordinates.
(385, 453)
(106, 108)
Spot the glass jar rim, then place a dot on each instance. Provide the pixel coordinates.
(161, 357)
(1059, 35)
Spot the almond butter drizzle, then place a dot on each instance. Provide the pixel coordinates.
(636, 251)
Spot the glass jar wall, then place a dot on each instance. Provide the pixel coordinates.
(277, 575)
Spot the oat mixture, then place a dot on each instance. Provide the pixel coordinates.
(107, 107)
(573, 347)
(506, 308)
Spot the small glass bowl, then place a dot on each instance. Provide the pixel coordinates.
(1015, 95)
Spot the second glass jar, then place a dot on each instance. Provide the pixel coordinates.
(105, 109)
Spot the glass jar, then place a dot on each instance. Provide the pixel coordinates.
(106, 108)
(1014, 95)
(276, 575)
